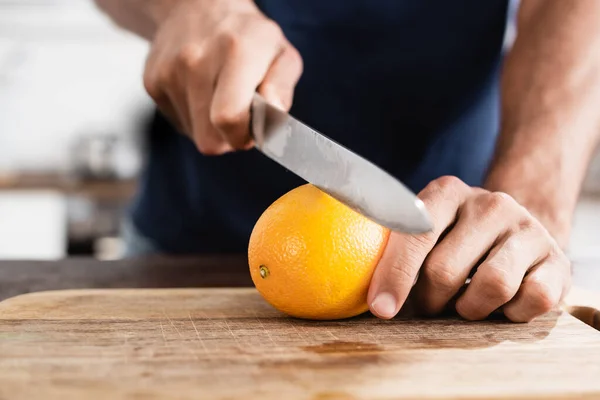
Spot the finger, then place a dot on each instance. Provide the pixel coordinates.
(155, 88)
(280, 81)
(447, 267)
(160, 83)
(404, 254)
(167, 109)
(243, 71)
(201, 72)
(180, 106)
(542, 290)
(499, 276)
(207, 139)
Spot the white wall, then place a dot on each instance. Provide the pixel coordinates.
(64, 71)
(32, 225)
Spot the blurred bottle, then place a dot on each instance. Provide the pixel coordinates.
(104, 157)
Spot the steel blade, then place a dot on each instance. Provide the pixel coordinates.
(336, 170)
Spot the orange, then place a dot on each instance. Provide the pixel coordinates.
(313, 257)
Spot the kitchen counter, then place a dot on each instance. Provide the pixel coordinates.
(99, 190)
(90, 210)
(18, 277)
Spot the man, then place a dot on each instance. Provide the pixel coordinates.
(418, 87)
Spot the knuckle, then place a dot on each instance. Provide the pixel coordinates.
(233, 41)
(229, 40)
(556, 254)
(190, 56)
(510, 248)
(151, 85)
(439, 275)
(417, 243)
(164, 77)
(399, 271)
(496, 284)
(445, 187)
(156, 78)
(473, 208)
(541, 296)
(494, 205)
(272, 29)
(448, 183)
(497, 200)
(556, 257)
(529, 224)
(225, 120)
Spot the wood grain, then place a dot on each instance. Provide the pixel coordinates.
(229, 344)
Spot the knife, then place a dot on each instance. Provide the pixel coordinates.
(336, 170)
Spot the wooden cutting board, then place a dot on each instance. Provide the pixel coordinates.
(230, 344)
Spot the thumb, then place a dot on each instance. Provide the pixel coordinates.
(280, 80)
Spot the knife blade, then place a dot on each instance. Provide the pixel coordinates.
(337, 171)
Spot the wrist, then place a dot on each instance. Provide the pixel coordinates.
(539, 192)
(158, 10)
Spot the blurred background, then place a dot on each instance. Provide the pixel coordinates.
(72, 115)
(73, 112)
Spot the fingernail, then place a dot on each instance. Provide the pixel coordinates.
(384, 305)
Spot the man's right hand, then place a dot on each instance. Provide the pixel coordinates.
(207, 60)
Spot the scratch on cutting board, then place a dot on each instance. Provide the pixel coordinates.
(237, 342)
(370, 332)
(198, 334)
(305, 332)
(300, 334)
(162, 329)
(264, 329)
(332, 335)
(172, 324)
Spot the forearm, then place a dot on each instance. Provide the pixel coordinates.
(138, 16)
(550, 109)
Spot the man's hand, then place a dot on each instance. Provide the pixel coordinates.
(519, 266)
(208, 58)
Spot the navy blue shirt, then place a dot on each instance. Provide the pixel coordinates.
(412, 85)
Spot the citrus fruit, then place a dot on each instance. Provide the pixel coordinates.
(312, 257)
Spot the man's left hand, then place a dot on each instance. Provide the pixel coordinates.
(518, 267)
